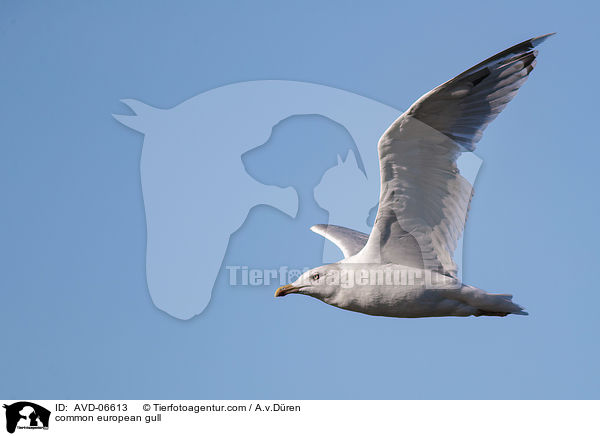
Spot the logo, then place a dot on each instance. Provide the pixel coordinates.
(26, 415)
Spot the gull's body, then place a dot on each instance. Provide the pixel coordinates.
(404, 268)
(443, 296)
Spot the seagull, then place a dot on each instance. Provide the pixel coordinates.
(404, 268)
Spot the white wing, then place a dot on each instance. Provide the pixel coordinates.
(348, 240)
(424, 200)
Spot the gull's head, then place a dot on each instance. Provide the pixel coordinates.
(321, 283)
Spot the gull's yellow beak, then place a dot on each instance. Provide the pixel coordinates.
(284, 290)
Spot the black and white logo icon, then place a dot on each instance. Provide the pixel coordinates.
(26, 415)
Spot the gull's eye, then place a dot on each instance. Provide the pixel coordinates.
(315, 276)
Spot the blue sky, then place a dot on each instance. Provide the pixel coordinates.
(77, 318)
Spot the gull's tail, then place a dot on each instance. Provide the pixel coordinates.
(490, 304)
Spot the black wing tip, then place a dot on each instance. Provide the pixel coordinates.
(539, 39)
(522, 48)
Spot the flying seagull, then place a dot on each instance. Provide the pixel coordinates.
(404, 268)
